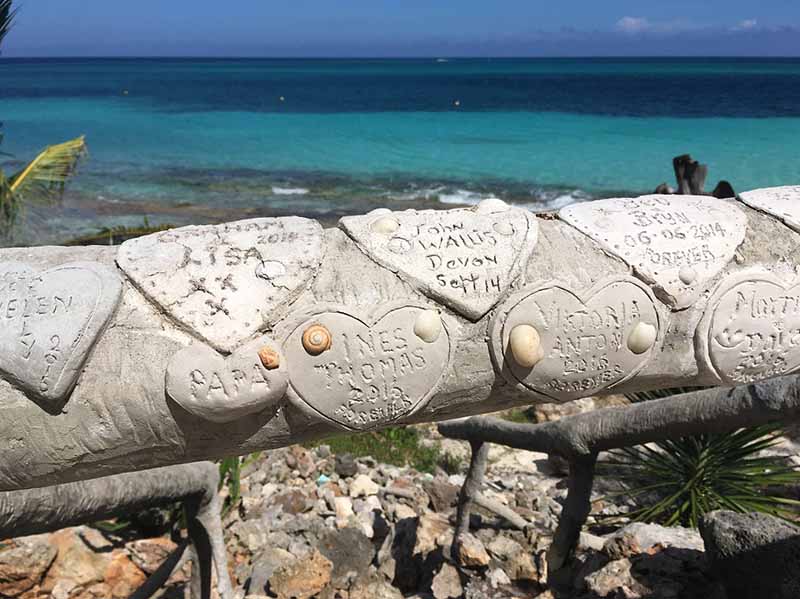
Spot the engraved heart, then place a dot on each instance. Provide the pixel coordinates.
(675, 243)
(220, 389)
(49, 322)
(225, 282)
(465, 258)
(752, 329)
(781, 202)
(586, 345)
(370, 374)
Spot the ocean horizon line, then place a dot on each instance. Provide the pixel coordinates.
(758, 57)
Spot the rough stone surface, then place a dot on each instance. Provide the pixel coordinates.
(466, 258)
(265, 565)
(603, 318)
(676, 243)
(149, 554)
(50, 321)
(447, 583)
(303, 578)
(225, 389)
(271, 547)
(345, 465)
(755, 555)
(225, 282)
(363, 486)
(350, 552)
(646, 536)
(780, 202)
(23, 564)
(443, 495)
(471, 552)
(376, 370)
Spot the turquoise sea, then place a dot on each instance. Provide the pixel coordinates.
(178, 141)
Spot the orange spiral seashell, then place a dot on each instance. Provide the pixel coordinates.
(317, 339)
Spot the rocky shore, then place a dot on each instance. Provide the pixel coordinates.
(311, 523)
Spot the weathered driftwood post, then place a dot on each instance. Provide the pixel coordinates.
(580, 438)
(209, 341)
(46, 509)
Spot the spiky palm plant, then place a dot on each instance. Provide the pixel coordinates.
(44, 178)
(677, 481)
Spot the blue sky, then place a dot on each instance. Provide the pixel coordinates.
(404, 28)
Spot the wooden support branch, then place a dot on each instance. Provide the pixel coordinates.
(575, 511)
(47, 509)
(469, 490)
(579, 438)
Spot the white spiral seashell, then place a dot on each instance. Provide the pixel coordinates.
(386, 225)
(317, 339)
(642, 337)
(526, 345)
(428, 326)
(491, 206)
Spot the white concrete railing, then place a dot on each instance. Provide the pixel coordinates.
(207, 341)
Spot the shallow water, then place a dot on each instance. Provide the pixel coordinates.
(182, 140)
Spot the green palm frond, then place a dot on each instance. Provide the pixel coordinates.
(6, 17)
(45, 176)
(43, 179)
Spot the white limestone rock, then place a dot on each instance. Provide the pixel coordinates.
(781, 202)
(585, 338)
(662, 236)
(225, 282)
(465, 258)
(376, 371)
(49, 322)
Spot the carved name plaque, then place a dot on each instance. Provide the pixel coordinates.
(751, 330)
(225, 389)
(465, 258)
(589, 342)
(780, 202)
(49, 322)
(675, 243)
(224, 282)
(373, 372)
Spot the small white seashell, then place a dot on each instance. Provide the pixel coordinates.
(385, 225)
(526, 345)
(505, 229)
(428, 326)
(642, 337)
(379, 212)
(687, 275)
(491, 206)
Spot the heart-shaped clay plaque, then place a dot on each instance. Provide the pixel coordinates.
(751, 329)
(49, 322)
(675, 243)
(363, 374)
(780, 202)
(221, 389)
(587, 342)
(465, 258)
(225, 282)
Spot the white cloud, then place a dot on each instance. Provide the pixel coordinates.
(633, 24)
(746, 25)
